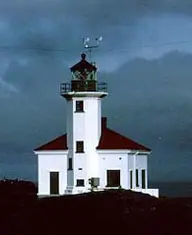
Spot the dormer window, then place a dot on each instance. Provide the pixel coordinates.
(79, 106)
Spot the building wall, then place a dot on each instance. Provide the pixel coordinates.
(138, 161)
(151, 191)
(48, 163)
(70, 143)
(108, 160)
(69, 125)
(92, 133)
(84, 126)
(80, 167)
(113, 161)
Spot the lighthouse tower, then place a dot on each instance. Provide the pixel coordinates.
(83, 95)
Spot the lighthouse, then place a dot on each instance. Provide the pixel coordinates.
(84, 96)
(90, 155)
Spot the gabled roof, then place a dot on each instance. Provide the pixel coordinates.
(113, 140)
(110, 140)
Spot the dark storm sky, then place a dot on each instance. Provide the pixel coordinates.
(145, 57)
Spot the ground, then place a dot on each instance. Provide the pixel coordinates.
(109, 212)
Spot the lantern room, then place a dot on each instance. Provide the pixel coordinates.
(84, 78)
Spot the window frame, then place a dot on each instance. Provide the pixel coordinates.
(131, 178)
(79, 106)
(78, 184)
(80, 147)
(70, 164)
(143, 178)
(137, 177)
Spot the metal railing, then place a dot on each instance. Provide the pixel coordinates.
(83, 86)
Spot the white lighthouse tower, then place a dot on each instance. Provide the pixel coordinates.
(83, 95)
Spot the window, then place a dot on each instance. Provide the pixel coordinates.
(70, 166)
(79, 106)
(137, 177)
(80, 182)
(131, 179)
(143, 178)
(79, 147)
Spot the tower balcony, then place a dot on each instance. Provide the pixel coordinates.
(83, 86)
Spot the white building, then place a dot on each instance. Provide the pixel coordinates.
(90, 155)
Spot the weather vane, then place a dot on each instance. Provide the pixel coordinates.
(89, 47)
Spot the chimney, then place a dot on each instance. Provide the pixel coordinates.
(103, 123)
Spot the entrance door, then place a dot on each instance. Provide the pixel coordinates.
(54, 183)
(113, 178)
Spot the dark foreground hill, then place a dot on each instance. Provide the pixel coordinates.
(109, 212)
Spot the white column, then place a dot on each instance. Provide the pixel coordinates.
(134, 170)
(146, 175)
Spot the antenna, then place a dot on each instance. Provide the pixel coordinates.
(89, 47)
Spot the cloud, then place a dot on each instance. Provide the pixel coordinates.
(62, 24)
(7, 87)
(47, 25)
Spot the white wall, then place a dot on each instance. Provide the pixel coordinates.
(138, 161)
(48, 163)
(108, 160)
(153, 192)
(69, 125)
(84, 126)
(87, 124)
(70, 143)
(80, 162)
(112, 161)
(141, 164)
(92, 130)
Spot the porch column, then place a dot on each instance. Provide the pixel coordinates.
(134, 170)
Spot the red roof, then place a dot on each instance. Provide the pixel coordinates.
(113, 140)
(109, 140)
(83, 65)
(60, 143)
